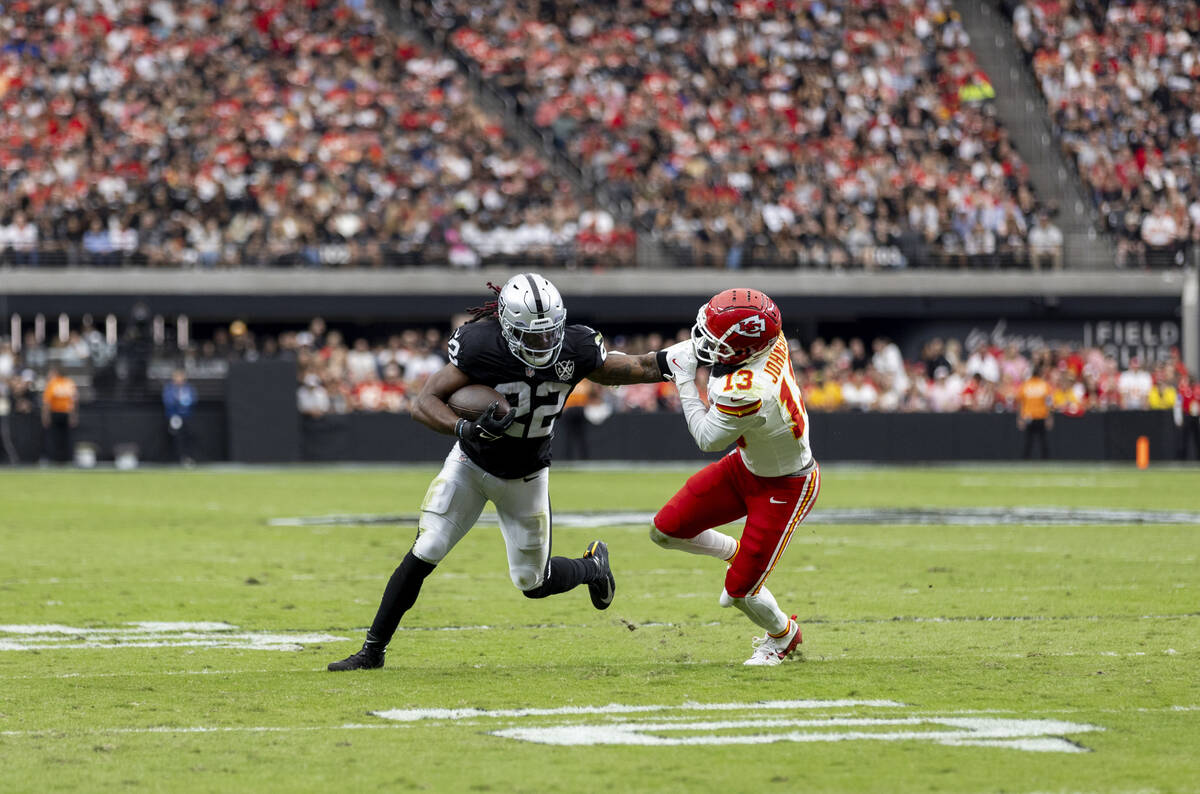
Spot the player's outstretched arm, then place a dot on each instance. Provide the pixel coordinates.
(619, 369)
(718, 426)
(729, 417)
(430, 407)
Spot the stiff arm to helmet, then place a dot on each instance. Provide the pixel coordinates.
(732, 328)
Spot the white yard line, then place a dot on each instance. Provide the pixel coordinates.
(824, 714)
(965, 516)
(154, 634)
(148, 673)
(415, 715)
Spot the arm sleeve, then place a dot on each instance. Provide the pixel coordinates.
(716, 428)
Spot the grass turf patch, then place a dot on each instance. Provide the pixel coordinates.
(1095, 626)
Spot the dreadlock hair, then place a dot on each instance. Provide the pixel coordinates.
(488, 309)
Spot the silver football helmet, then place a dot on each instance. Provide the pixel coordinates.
(533, 319)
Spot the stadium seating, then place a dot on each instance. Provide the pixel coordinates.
(1119, 79)
(254, 133)
(834, 134)
(839, 134)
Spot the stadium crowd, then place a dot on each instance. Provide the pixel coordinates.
(770, 132)
(832, 134)
(1121, 83)
(247, 132)
(339, 374)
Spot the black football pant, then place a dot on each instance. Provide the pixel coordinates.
(1189, 434)
(1036, 428)
(58, 438)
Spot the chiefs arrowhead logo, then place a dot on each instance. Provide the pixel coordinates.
(751, 326)
(564, 369)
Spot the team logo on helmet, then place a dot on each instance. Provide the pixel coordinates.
(751, 326)
(564, 369)
(734, 326)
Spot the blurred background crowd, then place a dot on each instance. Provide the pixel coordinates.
(782, 133)
(821, 134)
(1120, 80)
(342, 372)
(254, 133)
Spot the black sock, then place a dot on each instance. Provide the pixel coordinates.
(399, 595)
(563, 574)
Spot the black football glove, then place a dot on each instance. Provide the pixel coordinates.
(488, 427)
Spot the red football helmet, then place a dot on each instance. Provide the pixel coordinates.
(735, 325)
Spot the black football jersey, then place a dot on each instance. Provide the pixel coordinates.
(537, 395)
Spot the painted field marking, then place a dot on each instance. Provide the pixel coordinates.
(976, 732)
(412, 715)
(890, 516)
(154, 634)
(1028, 735)
(145, 673)
(761, 724)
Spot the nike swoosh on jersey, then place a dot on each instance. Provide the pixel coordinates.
(775, 501)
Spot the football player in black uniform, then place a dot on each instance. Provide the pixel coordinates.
(521, 346)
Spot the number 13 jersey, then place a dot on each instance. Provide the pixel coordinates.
(537, 395)
(760, 399)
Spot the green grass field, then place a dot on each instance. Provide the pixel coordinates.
(954, 658)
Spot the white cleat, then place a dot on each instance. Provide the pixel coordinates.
(770, 651)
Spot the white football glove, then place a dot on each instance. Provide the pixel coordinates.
(681, 360)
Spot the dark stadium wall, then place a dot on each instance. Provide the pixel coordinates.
(893, 438)
(263, 420)
(108, 426)
(602, 310)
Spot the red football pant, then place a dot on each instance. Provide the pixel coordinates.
(725, 491)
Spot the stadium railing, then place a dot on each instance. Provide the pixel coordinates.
(644, 251)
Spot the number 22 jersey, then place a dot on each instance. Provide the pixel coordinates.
(537, 395)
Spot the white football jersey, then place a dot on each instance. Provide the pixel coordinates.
(759, 406)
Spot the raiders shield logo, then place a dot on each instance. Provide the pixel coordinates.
(564, 369)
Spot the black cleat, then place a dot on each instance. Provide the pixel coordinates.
(602, 591)
(365, 659)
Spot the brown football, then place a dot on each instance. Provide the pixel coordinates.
(470, 402)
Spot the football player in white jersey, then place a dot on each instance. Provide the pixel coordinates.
(770, 477)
